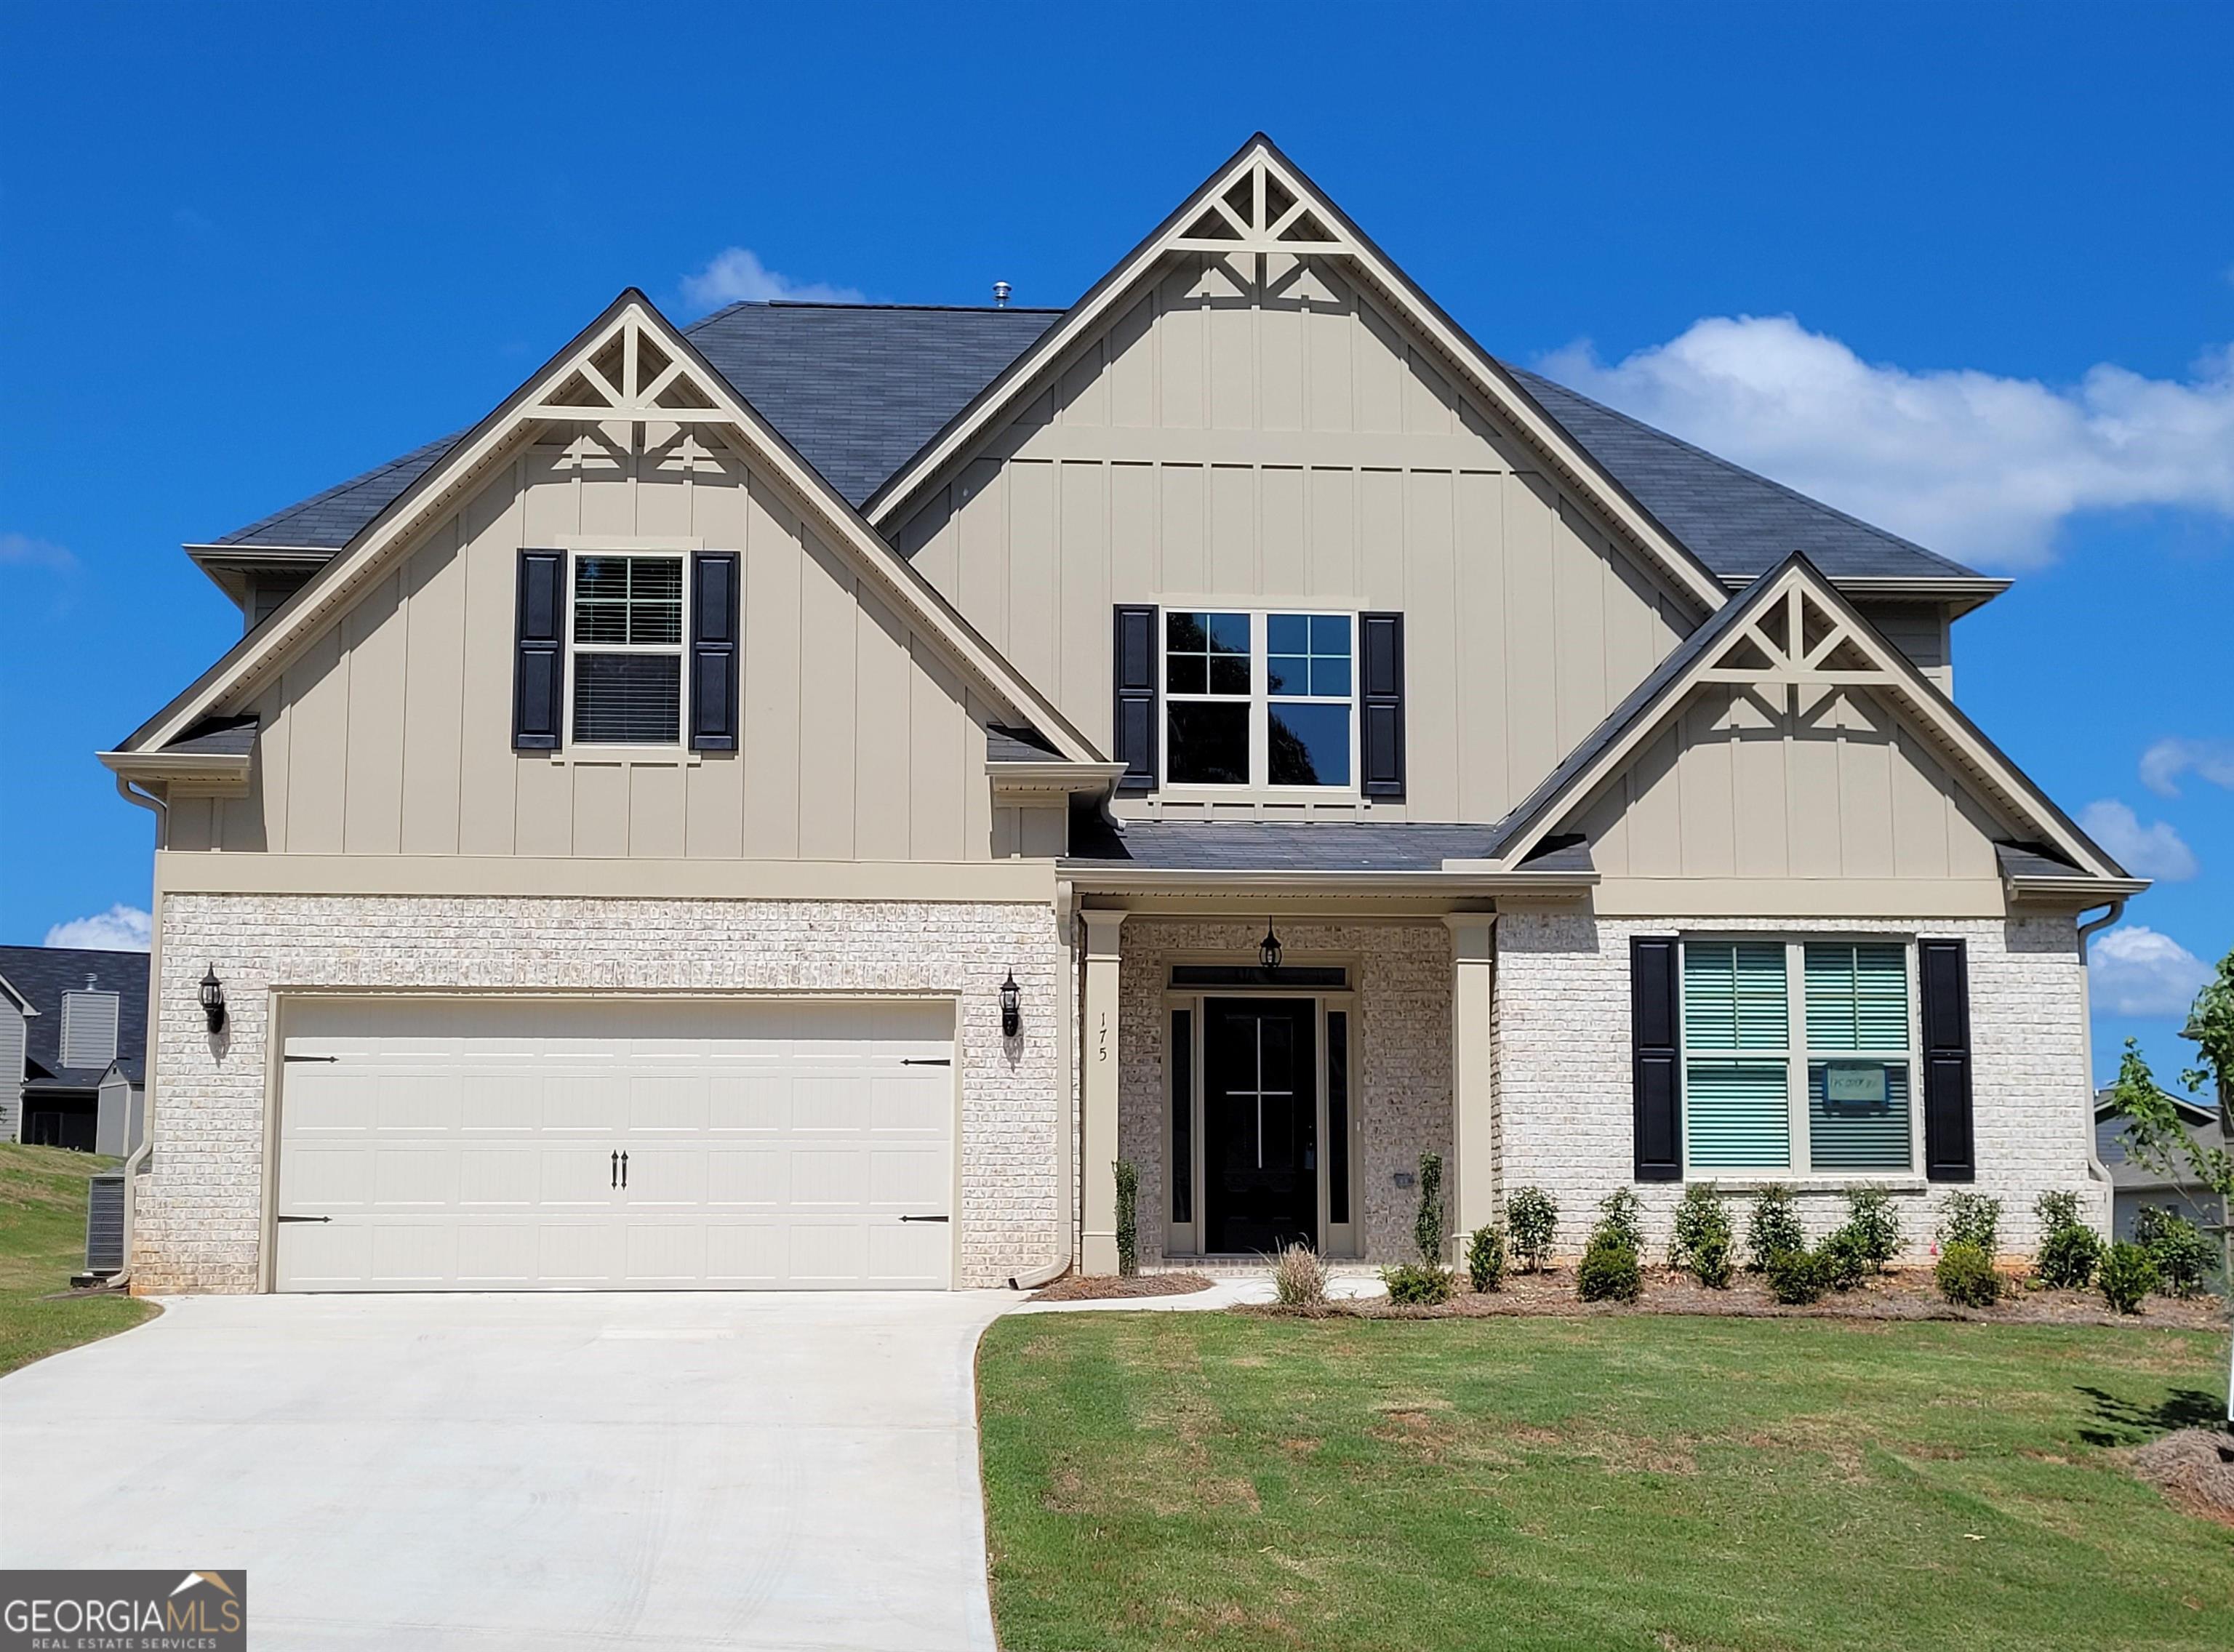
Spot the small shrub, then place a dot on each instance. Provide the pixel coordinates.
(1774, 1225)
(1532, 1221)
(2068, 1256)
(1796, 1278)
(1609, 1271)
(1427, 1226)
(1299, 1278)
(1874, 1221)
(2183, 1258)
(1711, 1261)
(1965, 1276)
(2057, 1209)
(1485, 1258)
(1844, 1260)
(1418, 1284)
(1971, 1218)
(1620, 1214)
(1701, 1230)
(1128, 1219)
(2127, 1274)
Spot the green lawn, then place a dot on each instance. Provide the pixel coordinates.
(41, 1244)
(1158, 1480)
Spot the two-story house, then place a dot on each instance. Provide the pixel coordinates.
(791, 800)
(73, 1042)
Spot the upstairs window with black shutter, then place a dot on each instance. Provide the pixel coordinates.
(628, 650)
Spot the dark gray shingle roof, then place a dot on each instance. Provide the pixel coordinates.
(1248, 845)
(1018, 746)
(218, 737)
(1737, 523)
(44, 974)
(2031, 860)
(859, 390)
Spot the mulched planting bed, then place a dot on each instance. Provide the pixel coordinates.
(2196, 1469)
(1905, 1293)
(1107, 1287)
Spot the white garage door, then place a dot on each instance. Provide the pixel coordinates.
(478, 1144)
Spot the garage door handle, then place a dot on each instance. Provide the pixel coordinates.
(309, 1058)
(926, 1061)
(302, 1218)
(923, 1218)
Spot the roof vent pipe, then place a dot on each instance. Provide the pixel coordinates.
(1000, 295)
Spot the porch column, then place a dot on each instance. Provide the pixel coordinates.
(1097, 1108)
(1472, 1200)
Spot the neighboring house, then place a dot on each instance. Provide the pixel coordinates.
(73, 1047)
(790, 800)
(2134, 1185)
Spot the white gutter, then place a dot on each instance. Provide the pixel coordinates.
(2095, 1167)
(138, 1156)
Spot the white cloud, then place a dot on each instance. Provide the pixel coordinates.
(2165, 762)
(2133, 970)
(737, 274)
(2152, 850)
(1979, 467)
(21, 551)
(120, 928)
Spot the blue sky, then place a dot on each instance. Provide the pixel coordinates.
(1966, 270)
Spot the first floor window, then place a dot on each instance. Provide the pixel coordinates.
(1259, 699)
(1797, 1056)
(628, 634)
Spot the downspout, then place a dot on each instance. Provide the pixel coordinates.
(2095, 1167)
(138, 1156)
(1065, 925)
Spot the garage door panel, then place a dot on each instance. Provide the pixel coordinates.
(674, 1101)
(504, 1102)
(473, 1143)
(422, 1177)
(748, 1103)
(414, 1256)
(907, 1180)
(492, 1178)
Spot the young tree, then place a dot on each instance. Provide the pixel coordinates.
(2155, 1138)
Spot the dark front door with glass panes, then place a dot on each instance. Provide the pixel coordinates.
(1260, 1125)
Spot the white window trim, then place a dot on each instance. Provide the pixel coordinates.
(1797, 1056)
(659, 752)
(1260, 703)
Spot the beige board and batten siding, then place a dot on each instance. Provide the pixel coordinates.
(1292, 444)
(1838, 791)
(391, 733)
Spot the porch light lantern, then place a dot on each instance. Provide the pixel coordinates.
(1012, 1007)
(1268, 949)
(212, 995)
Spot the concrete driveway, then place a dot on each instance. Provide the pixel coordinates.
(778, 1471)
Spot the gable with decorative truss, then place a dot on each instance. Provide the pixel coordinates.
(1259, 204)
(381, 706)
(1789, 740)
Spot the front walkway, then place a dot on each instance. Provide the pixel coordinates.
(673, 1471)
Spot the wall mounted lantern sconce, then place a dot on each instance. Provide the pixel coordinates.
(213, 1000)
(1268, 949)
(1012, 1007)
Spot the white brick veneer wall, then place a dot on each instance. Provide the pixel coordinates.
(1564, 1097)
(1401, 1055)
(199, 1213)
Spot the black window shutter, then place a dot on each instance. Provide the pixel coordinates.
(1654, 1013)
(1133, 720)
(715, 645)
(1381, 704)
(1950, 1154)
(539, 671)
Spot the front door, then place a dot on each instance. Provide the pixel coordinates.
(1260, 1124)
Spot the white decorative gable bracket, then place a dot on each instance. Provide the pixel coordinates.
(1260, 212)
(1796, 641)
(632, 376)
